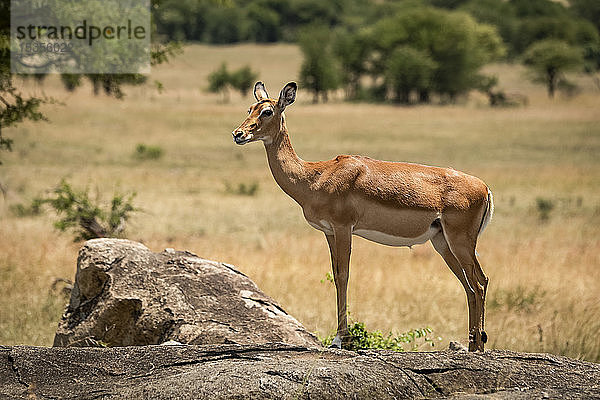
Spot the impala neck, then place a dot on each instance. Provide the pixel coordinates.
(289, 170)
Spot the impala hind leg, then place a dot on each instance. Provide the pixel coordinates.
(462, 245)
(441, 246)
(340, 245)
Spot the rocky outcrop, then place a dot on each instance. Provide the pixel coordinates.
(126, 295)
(277, 371)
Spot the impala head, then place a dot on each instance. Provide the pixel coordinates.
(264, 116)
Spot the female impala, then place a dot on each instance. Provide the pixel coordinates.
(392, 203)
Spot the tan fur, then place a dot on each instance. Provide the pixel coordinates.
(390, 202)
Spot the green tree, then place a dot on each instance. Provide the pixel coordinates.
(574, 31)
(453, 40)
(352, 50)
(16, 107)
(315, 12)
(592, 58)
(319, 72)
(588, 9)
(264, 23)
(549, 59)
(498, 13)
(409, 70)
(182, 19)
(530, 8)
(451, 4)
(225, 25)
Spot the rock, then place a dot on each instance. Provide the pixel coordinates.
(457, 346)
(126, 295)
(272, 371)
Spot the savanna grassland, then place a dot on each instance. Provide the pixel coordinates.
(544, 273)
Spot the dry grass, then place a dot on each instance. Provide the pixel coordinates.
(545, 276)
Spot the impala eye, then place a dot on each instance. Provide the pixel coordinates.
(268, 112)
(249, 110)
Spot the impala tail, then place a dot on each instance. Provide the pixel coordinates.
(489, 211)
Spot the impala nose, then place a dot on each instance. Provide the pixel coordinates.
(239, 137)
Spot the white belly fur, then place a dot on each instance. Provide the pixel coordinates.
(397, 241)
(380, 237)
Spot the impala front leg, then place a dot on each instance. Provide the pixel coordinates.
(340, 246)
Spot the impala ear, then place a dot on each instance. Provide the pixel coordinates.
(260, 92)
(287, 95)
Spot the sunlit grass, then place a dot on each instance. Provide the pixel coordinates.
(544, 273)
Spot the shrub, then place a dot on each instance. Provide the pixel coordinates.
(218, 81)
(147, 152)
(221, 80)
(243, 80)
(242, 189)
(544, 206)
(361, 338)
(77, 212)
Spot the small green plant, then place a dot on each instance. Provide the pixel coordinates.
(242, 189)
(160, 88)
(328, 277)
(86, 218)
(544, 207)
(361, 338)
(147, 152)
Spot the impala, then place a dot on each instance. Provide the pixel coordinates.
(392, 203)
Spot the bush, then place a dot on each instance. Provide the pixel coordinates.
(544, 206)
(411, 340)
(243, 80)
(242, 189)
(218, 81)
(221, 80)
(77, 212)
(147, 152)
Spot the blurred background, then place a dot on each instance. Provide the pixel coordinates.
(507, 90)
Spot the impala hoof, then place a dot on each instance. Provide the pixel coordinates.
(477, 340)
